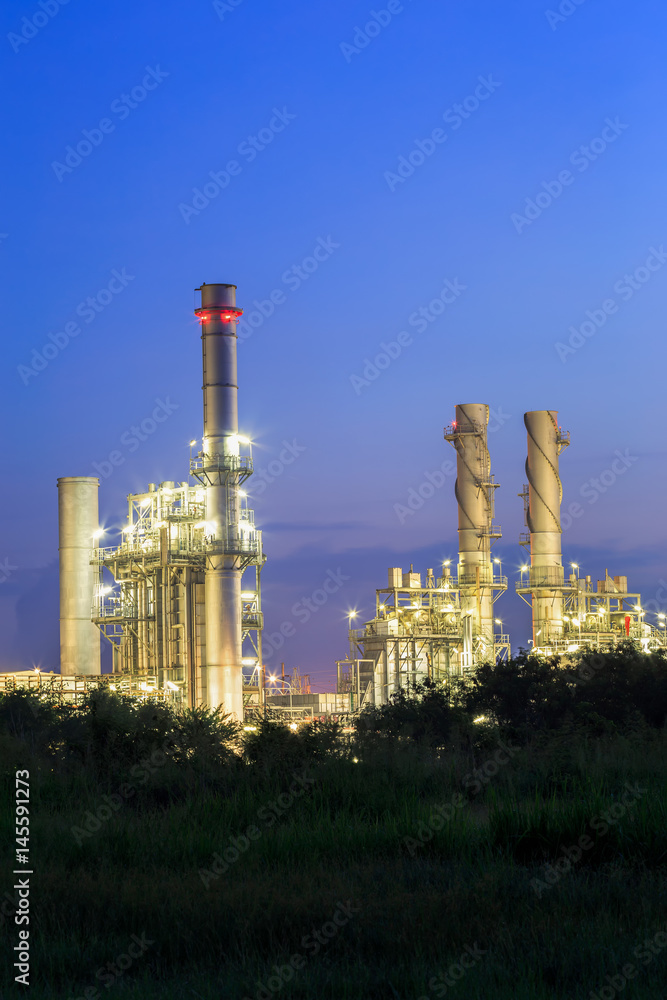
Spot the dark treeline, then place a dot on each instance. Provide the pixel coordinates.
(447, 820)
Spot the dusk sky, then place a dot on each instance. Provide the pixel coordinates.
(507, 157)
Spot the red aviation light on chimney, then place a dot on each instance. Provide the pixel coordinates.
(229, 314)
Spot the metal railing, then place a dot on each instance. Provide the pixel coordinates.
(222, 463)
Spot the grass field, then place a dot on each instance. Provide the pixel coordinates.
(335, 867)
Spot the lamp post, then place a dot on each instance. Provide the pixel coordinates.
(274, 680)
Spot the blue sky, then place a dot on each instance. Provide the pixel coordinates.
(540, 195)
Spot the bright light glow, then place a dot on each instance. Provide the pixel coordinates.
(143, 686)
(497, 561)
(243, 440)
(104, 591)
(574, 565)
(192, 444)
(112, 687)
(242, 493)
(128, 528)
(498, 621)
(273, 678)
(480, 718)
(446, 562)
(249, 661)
(172, 686)
(523, 569)
(601, 611)
(248, 594)
(352, 614)
(355, 760)
(250, 729)
(538, 633)
(98, 533)
(572, 649)
(382, 608)
(292, 726)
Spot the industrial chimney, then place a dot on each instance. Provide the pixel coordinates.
(223, 469)
(78, 523)
(475, 489)
(545, 493)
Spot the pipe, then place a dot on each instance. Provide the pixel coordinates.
(545, 493)
(78, 521)
(221, 465)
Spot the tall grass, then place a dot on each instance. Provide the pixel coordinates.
(363, 828)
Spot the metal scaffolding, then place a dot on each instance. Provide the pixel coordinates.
(418, 633)
(153, 609)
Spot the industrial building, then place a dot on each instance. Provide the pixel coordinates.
(446, 625)
(567, 614)
(178, 597)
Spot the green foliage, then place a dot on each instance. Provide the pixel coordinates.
(425, 717)
(373, 821)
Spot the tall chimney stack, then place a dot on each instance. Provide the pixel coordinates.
(223, 470)
(475, 490)
(545, 493)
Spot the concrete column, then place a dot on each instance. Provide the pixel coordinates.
(78, 520)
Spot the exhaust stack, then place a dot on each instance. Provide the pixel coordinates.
(78, 522)
(475, 490)
(545, 493)
(222, 471)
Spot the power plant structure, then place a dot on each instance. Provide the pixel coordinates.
(567, 614)
(447, 626)
(179, 599)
